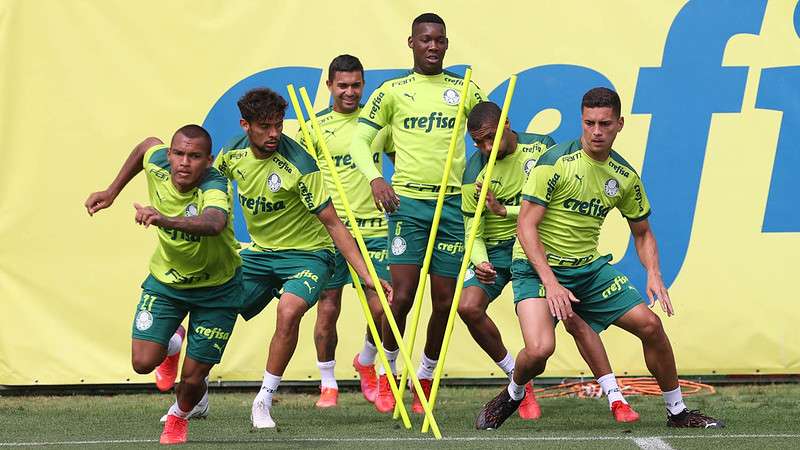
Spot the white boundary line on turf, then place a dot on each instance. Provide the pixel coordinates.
(652, 443)
(422, 439)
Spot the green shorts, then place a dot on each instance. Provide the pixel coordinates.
(212, 315)
(301, 272)
(605, 294)
(500, 257)
(409, 228)
(377, 253)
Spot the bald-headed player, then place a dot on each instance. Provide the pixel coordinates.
(557, 268)
(420, 109)
(346, 84)
(493, 247)
(195, 270)
(293, 225)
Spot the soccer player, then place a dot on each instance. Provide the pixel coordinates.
(195, 270)
(557, 267)
(420, 109)
(346, 84)
(493, 245)
(291, 221)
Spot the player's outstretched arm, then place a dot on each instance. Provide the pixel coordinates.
(558, 297)
(210, 222)
(646, 247)
(132, 166)
(383, 194)
(345, 243)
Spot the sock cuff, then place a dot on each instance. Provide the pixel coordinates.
(607, 377)
(326, 364)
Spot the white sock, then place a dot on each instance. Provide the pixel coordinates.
(516, 391)
(507, 365)
(176, 411)
(391, 355)
(674, 401)
(175, 343)
(426, 367)
(328, 379)
(268, 387)
(366, 357)
(609, 384)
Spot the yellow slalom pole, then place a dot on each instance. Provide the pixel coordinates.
(423, 274)
(364, 253)
(370, 267)
(487, 177)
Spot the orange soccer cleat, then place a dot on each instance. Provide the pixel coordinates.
(328, 397)
(167, 371)
(623, 413)
(529, 409)
(384, 401)
(416, 406)
(176, 430)
(369, 381)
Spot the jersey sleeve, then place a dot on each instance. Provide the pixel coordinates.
(215, 191)
(383, 142)
(634, 204)
(156, 155)
(541, 184)
(222, 165)
(311, 188)
(474, 96)
(301, 139)
(379, 109)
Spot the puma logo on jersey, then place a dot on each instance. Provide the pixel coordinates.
(579, 178)
(241, 174)
(411, 96)
(331, 132)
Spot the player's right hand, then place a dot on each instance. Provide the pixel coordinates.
(99, 200)
(383, 194)
(559, 300)
(485, 272)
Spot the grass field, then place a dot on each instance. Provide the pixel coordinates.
(761, 416)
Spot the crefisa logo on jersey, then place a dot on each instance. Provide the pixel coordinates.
(398, 246)
(529, 166)
(190, 211)
(451, 97)
(611, 187)
(274, 182)
(144, 320)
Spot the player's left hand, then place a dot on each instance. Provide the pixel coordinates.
(492, 204)
(147, 215)
(656, 291)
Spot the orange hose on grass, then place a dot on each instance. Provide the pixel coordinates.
(629, 386)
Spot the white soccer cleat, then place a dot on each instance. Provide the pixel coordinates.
(200, 411)
(260, 416)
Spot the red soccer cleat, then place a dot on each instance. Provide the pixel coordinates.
(416, 406)
(529, 409)
(328, 397)
(384, 401)
(176, 431)
(167, 371)
(623, 413)
(369, 381)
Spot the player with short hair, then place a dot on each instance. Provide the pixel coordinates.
(420, 109)
(195, 270)
(338, 122)
(492, 250)
(293, 226)
(557, 268)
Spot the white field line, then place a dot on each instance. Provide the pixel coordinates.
(652, 443)
(484, 438)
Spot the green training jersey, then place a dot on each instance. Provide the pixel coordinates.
(183, 260)
(579, 192)
(337, 130)
(421, 112)
(508, 178)
(280, 195)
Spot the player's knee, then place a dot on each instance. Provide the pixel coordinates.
(540, 351)
(441, 306)
(143, 365)
(470, 312)
(194, 381)
(651, 327)
(573, 326)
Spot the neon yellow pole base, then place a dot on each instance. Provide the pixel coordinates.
(423, 274)
(365, 254)
(498, 136)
